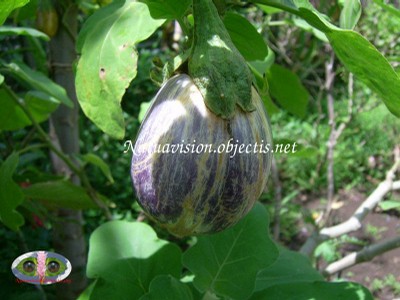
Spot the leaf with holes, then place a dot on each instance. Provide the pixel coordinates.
(108, 60)
(227, 263)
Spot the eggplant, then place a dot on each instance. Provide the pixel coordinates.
(186, 172)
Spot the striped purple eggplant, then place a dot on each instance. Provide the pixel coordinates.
(186, 172)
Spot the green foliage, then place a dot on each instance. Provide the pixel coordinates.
(11, 30)
(97, 161)
(126, 259)
(60, 193)
(357, 54)
(124, 267)
(218, 261)
(38, 81)
(315, 290)
(290, 267)
(10, 194)
(101, 79)
(168, 288)
(224, 265)
(293, 99)
(7, 6)
(389, 281)
(350, 13)
(169, 9)
(245, 37)
(12, 117)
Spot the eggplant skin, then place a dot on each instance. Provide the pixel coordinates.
(202, 191)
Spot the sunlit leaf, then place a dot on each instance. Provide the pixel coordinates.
(7, 6)
(108, 60)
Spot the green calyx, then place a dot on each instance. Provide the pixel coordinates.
(216, 66)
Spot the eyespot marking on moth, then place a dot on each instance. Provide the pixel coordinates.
(41, 267)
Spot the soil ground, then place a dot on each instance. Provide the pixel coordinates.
(377, 226)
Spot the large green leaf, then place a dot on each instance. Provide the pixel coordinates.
(245, 37)
(314, 290)
(12, 117)
(125, 257)
(357, 54)
(10, 194)
(290, 267)
(167, 9)
(27, 31)
(350, 14)
(60, 193)
(38, 81)
(361, 58)
(285, 87)
(108, 60)
(7, 6)
(166, 287)
(226, 263)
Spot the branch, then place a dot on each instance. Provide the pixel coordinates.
(354, 222)
(367, 254)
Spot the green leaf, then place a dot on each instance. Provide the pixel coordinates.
(1, 79)
(361, 58)
(167, 287)
(60, 193)
(10, 194)
(226, 263)
(301, 23)
(27, 31)
(167, 9)
(314, 290)
(290, 267)
(357, 54)
(101, 164)
(389, 204)
(245, 37)
(7, 6)
(12, 117)
(86, 294)
(285, 87)
(350, 14)
(108, 60)
(125, 257)
(38, 81)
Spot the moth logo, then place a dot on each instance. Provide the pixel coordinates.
(41, 267)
